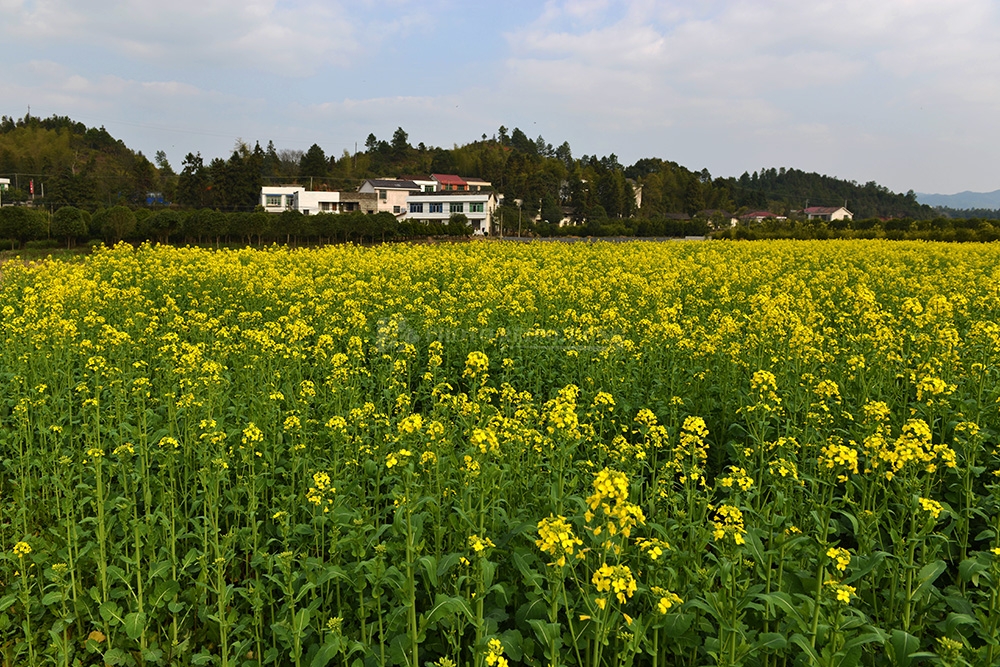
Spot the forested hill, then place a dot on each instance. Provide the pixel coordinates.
(88, 168)
(75, 164)
(795, 189)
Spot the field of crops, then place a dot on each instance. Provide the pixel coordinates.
(497, 454)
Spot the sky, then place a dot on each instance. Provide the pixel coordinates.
(902, 92)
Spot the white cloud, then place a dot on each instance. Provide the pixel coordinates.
(782, 80)
(294, 38)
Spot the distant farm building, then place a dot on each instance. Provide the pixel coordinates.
(828, 213)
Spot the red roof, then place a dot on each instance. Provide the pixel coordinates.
(821, 210)
(759, 214)
(449, 179)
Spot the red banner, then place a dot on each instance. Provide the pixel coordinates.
(31, 186)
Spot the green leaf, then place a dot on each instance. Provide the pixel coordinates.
(847, 658)
(51, 598)
(900, 648)
(327, 652)
(429, 564)
(927, 576)
(870, 638)
(770, 640)
(803, 643)
(956, 620)
(135, 624)
(970, 569)
(446, 606)
(675, 625)
(115, 656)
(111, 612)
(547, 633)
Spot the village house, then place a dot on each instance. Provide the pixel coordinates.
(428, 199)
(827, 213)
(425, 182)
(275, 199)
(392, 193)
(478, 207)
(760, 216)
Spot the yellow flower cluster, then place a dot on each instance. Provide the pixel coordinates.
(322, 493)
(784, 468)
(476, 364)
(556, 538)
(480, 544)
(930, 388)
(652, 547)
(737, 477)
(838, 456)
(611, 498)
(615, 579)
(933, 507)
(667, 599)
(841, 558)
(841, 592)
(691, 451)
(485, 440)
(252, 434)
(560, 412)
(393, 459)
(494, 654)
(727, 522)
(764, 390)
(410, 424)
(22, 549)
(913, 449)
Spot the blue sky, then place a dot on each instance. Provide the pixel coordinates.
(902, 92)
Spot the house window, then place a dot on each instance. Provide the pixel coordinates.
(326, 206)
(395, 209)
(456, 207)
(416, 208)
(428, 188)
(476, 207)
(289, 201)
(383, 194)
(436, 208)
(272, 200)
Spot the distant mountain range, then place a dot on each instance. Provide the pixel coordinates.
(963, 200)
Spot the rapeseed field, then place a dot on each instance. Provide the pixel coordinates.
(498, 454)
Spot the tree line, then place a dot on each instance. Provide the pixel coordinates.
(89, 169)
(69, 226)
(962, 230)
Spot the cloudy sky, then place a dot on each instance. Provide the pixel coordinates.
(902, 92)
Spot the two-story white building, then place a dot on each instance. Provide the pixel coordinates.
(276, 199)
(431, 207)
(391, 193)
(828, 213)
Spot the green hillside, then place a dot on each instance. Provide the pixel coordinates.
(72, 164)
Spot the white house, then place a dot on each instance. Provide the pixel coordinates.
(276, 199)
(828, 213)
(424, 182)
(392, 193)
(478, 207)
